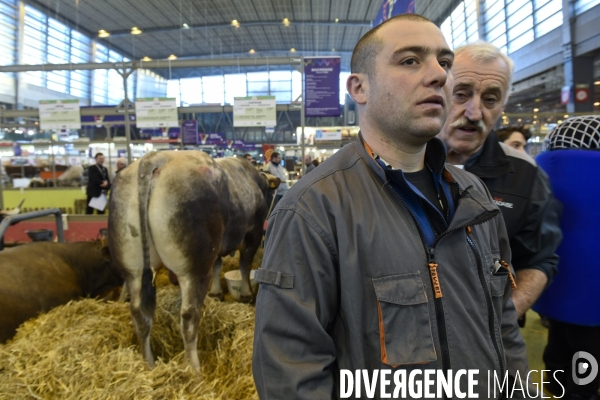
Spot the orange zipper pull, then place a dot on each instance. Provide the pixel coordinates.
(435, 280)
(513, 283)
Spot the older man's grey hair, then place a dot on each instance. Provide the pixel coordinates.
(486, 52)
(122, 160)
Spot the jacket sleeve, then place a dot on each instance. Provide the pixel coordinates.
(515, 352)
(534, 246)
(295, 308)
(94, 181)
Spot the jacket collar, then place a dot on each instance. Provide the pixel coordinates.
(435, 156)
(490, 161)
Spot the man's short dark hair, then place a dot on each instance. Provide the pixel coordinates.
(370, 45)
(98, 155)
(505, 132)
(274, 155)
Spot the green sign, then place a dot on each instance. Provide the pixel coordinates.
(156, 112)
(59, 114)
(254, 111)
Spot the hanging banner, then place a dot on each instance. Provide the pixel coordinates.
(328, 135)
(190, 132)
(322, 86)
(268, 149)
(156, 112)
(390, 8)
(211, 139)
(59, 114)
(254, 111)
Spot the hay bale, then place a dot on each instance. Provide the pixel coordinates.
(87, 350)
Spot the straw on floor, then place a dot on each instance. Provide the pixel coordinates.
(87, 350)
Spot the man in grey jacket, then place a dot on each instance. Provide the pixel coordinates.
(385, 270)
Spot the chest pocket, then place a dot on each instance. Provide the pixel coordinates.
(404, 327)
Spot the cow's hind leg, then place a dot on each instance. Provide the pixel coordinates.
(215, 289)
(193, 292)
(142, 306)
(251, 245)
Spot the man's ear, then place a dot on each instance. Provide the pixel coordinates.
(357, 86)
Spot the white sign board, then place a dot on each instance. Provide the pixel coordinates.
(156, 112)
(59, 114)
(254, 111)
(322, 135)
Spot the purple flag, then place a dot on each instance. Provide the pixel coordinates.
(389, 8)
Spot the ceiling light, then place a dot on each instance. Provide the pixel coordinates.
(136, 31)
(235, 23)
(332, 49)
(597, 83)
(535, 116)
(146, 59)
(536, 109)
(186, 26)
(337, 20)
(286, 22)
(252, 51)
(172, 57)
(292, 50)
(559, 121)
(597, 103)
(102, 33)
(566, 116)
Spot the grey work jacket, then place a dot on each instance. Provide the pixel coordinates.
(345, 284)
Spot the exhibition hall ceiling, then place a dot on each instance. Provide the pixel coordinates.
(226, 28)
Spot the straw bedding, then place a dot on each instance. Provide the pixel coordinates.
(87, 350)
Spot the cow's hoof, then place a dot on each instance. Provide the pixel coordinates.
(218, 296)
(246, 299)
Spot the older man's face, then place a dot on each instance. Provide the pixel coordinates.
(477, 102)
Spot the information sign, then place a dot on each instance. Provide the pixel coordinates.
(59, 114)
(254, 111)
(156, 112)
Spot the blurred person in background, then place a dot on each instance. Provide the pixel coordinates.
(514, 136)
(121, 163)
(275, 168)
(308, 163)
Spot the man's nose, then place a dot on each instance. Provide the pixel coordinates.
(437, 75)
(473, 109)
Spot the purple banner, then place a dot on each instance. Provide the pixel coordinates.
(389, 8)
(236, 144)
(322, 86)
(190, 132)
(211, 139)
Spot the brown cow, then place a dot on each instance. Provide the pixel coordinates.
(37, 277)
(184, 210)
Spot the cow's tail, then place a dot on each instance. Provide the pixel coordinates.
(148, 164)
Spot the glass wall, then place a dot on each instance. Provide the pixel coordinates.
(286, 86)
(461, 26)
(8, 31)
(512, 24)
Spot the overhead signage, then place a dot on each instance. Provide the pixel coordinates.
(190, 132)
(322, 86)
(390, 8)
(59, 114)
(327, 135)
(254, 111)
(211, 139)
(156, 112)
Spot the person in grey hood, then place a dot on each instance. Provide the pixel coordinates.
(384, 271)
